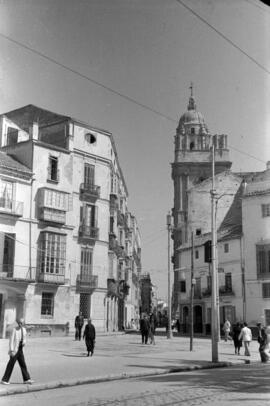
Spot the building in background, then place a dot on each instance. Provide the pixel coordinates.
(81, 244)
(191, 174)
(146, 294)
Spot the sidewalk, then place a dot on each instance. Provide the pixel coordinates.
(61, 361)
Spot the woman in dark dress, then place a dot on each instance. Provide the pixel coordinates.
(89, 335)
(235, 336)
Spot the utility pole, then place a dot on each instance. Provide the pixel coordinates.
(169, 227)
(192, 284)
(214, 318)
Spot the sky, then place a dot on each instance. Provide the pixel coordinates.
(126, 66)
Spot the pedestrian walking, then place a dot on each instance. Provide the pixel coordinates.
(235, 336)
(16, 343)
(79, 322)
(152, 328)
(144, 328)
(89, 336)
(246, 336)
(263, 340)
(227, 330)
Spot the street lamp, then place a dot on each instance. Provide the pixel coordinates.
(169, 228)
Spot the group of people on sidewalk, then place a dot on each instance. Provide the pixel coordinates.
(241, 333)
(148, 324)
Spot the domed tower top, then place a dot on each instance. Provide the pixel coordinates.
(192, 121)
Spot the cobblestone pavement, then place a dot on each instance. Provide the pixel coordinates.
(234, 386)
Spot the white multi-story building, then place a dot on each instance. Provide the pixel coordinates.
(256, 231)
(75, 198)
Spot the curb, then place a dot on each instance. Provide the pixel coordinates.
(106, 378)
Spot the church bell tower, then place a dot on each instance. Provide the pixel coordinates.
(193, 164)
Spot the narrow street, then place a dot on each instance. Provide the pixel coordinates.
(238, 385)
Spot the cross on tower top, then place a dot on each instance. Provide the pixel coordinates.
(191, 89)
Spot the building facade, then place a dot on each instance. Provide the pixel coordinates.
(192, 177)
(81, 244)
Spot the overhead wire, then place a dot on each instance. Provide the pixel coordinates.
(122, 95)
(233, 44)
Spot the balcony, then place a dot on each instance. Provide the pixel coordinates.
(120, 219)
(89, 192)
(53, 278)
(11, 207)
(207, 292)
(16, 273)
(52, 205)
(86, 283)
(88, 233)
(226, 291)
(112, 288)
(223, 291)
(52, 215)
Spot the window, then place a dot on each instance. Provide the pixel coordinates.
(47, 304)
(192, 130)
(228, 282)
(197, 254)
(6, 193)
(52, 253)
(85, 305)
(267, 317)
(266, 290)
(263, 260)
(86, 263)
(54, 199)
(198, 231)
(12, 136)
(226, 247)
(53, 172)
(266, 210)
(90, 138)
(183, 286)
(88, 216)
(89, 174)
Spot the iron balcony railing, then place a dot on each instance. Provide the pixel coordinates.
(54, 278)
(86, 282)
(88, 232)
(11, 207)
(89, 191)
(18, 273)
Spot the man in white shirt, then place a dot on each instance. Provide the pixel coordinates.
(16, 343)
(246, 336)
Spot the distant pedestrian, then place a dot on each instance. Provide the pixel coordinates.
(16, 343)
(79, 322)
(235, 336)
(227, 330)
(152, 328)
(177, 325)
(144, 328)
(89, 336)
(246, 336)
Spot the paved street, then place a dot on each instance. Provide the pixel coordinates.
(237, 385)
(62, 362)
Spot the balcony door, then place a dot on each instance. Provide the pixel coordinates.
(89, 174)
(7, 252)
(86, 264)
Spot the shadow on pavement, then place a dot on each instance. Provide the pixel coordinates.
(234, 379)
